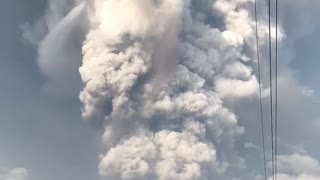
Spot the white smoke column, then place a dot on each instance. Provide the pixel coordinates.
(58, 37)
(157, 128)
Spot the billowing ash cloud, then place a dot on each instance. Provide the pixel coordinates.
(173, 83)
(156, 74)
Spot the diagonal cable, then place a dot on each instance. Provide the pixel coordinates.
(260, 89)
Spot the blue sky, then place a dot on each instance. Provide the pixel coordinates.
(44, 133)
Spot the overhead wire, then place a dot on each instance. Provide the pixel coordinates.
(260, 89)
(276, 92)
(271, 94)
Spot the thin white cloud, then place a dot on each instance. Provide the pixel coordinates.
(307, 91)
(298, 167)
(14, 174)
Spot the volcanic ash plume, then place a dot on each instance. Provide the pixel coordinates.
(156, 74)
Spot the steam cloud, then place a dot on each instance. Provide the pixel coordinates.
(58, 36)
(156, 74)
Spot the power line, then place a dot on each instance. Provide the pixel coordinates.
(276, 93)
(271, 95)
(260, 99)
